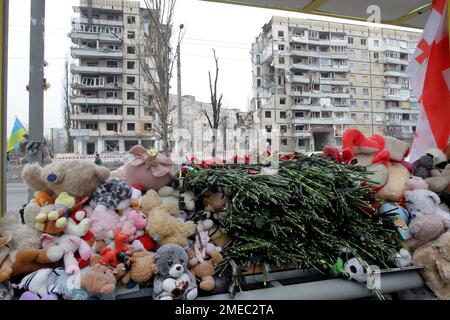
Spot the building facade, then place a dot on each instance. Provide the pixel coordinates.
(196, 123)
(313, 79)
(108, 112)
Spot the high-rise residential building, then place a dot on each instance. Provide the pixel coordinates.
(313, 79)
(109, 113)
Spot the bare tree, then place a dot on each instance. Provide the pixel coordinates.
(214, 119)
(67, 107)
(156, 59)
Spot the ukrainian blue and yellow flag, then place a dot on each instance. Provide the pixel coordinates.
(17, 135)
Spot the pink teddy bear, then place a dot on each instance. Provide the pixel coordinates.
(132, 224)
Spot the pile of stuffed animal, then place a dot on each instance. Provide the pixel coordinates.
(417, 195)
(89, 232)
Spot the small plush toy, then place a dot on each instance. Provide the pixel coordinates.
(165, 228)
(148, 169)
(69, 286)
(356, 269)
(426, 228)
(6, 291)
(424, 202)
(402, 258)
(168, 195)
(439, 180)
(414, 183)
(28, 295)
(132, 224)
(99, 280)
(70, 245)
(27, 260)
(431, 159)
(41, 282)
(203, 248)
(103, 224)
(434, 257)
(395, 187)
(78, 224)
(173, 280)
(136, 197)
(43, 199)
(204, 269)
(63, 203)
(142, 268)
(217, 203)
(76, 177)
(150, 200)
(110, 255)
(113, 194)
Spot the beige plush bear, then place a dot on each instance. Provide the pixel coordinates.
(76, 177)
(435, 258)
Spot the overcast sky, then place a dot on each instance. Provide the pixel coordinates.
(229, 29)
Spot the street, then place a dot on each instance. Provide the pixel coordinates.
(16, 195)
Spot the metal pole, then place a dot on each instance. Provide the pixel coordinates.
(3, 87)
(179, 110)
(36, 95)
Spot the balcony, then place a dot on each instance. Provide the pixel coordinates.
(84, 133)
(95, 53)
(321, 121)
(94, 70)
(335, 81)
(311, 94)
(100, 85)
(301, 134)
(101, 36)
(94, 117)
(343, 95)
(392, 85)
(305, 66)
(102, 101)
(395, 97)
(335, 68)
(307, 53)
(392, 73)
(299, 79)
(301, 120)
(339, 42)
(103, 22)
(339, 55)
(400, 110)
(396, 61)
(300, 39)
(395, 48)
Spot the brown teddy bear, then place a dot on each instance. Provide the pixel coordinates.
(217, 203)
(76, 177)
(99, 280)
(142, 269)
(204, 270)
(435, 258)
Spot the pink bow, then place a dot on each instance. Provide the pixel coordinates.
(158, 164)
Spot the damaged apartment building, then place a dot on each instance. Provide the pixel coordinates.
(108, 112)
(313, 79)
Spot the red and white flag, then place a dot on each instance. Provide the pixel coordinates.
(429, 72)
